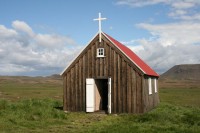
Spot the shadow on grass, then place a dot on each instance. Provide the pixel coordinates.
(59, 108)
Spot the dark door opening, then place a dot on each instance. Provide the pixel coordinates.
(101, 95)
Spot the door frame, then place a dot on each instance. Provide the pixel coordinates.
(90, 90)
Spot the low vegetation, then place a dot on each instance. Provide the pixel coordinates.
(45, 116)
(181, 96)
(16, 88)
(178, 112)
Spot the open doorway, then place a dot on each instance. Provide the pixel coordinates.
(101, 95)
(98, 95)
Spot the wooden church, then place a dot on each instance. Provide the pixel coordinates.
(108, 76)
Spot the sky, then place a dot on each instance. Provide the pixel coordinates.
(41, 37)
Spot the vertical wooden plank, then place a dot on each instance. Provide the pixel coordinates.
(106, 60)
(124, 86)
(115, 82)
(84, 84)
(137, 89)
(68, 90)
(86, 65)
(92, 60)
(89, 64)
(77, 87)
(139, 93)
(145, 94)
(112, 75)
(80, 83)
(104, 66)
(97, 67)
(110, 62)
(129, 88)
(72, 90)
(101, 67)
(119, 85)
(153, 92)
(134, 97)
(97, 62)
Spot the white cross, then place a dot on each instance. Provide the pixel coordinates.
(100, 19)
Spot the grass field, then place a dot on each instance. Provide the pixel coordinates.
(16, 88)
(23, 110)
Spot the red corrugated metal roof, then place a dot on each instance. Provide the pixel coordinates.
(133, 57)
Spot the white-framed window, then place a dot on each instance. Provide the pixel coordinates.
(155, 85)
(150, 86)
(100, 52)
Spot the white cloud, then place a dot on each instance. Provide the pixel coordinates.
(180, 9)
(140, 3)
(174, 33)
(53, 40)
(169, 44)
(23, 27)
(183, 4)
(6, 33)
(179, 4)
(23, 52)
(137, 48)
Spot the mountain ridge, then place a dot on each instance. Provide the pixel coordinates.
(183, 72)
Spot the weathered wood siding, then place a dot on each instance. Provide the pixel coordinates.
(150, 100)
(127, 80)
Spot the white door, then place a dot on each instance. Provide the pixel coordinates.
(90, 95)
(109, 95)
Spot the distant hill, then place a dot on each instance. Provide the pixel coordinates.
(183, 72)
(55, 76)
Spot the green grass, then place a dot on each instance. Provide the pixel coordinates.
(16, 88)
(42, 116)
(181, 96)
(34, 105)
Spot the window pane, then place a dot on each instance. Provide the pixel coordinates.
(100, 52)
(150, 86)
(155, 84)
